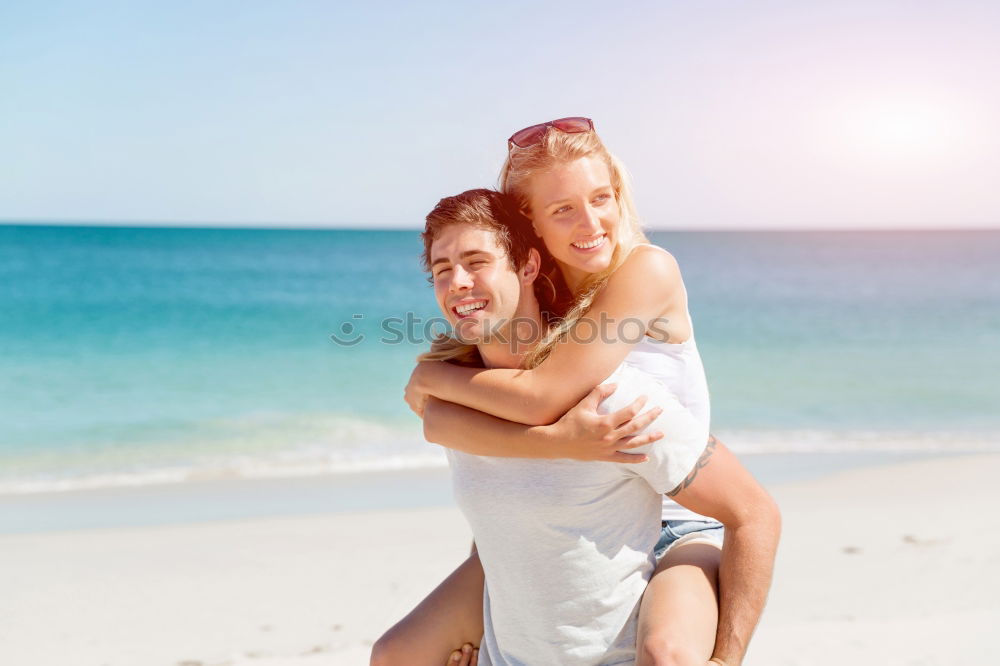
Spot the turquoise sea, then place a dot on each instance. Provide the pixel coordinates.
(137, 356)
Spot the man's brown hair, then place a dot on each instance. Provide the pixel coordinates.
(485, 209)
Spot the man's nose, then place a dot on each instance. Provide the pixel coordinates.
(460, 279)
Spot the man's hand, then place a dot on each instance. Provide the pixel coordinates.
(467, 656)
(416, 393)
(584, 434)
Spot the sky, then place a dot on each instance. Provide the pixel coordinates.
(729, 114)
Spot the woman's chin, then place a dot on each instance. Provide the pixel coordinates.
(594, 263)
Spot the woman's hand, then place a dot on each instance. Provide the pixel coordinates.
(584, 434)
(416, 392)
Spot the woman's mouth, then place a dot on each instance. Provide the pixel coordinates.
(590, 245)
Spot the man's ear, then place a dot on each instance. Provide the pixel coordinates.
(529, 272)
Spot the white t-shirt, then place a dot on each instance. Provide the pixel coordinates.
(567, 545)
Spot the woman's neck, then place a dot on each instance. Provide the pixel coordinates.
(574, 278)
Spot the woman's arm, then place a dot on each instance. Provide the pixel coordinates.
(643, 290)
(581, 434)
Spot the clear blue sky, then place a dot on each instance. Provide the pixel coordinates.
(729, 114)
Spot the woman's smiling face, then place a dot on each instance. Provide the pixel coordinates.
(575, 213)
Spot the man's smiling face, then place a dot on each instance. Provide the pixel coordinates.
(475, 285)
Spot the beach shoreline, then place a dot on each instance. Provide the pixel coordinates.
(224, 499)
(885, 564)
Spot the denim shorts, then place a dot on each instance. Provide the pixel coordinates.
(677, 532)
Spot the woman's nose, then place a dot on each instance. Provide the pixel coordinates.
(591, 220)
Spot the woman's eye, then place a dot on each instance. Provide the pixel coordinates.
(602, 198)
(561, 210)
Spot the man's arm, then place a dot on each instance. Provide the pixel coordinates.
(719, 486)
(581, 434)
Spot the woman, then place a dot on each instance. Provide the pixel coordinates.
(577, 198)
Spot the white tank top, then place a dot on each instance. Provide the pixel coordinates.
(679, 368)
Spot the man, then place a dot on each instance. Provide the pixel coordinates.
(566, 545)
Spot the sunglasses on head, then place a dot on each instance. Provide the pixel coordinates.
(529, 136)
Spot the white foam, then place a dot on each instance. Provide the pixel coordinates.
(256, 446)
(237, 468)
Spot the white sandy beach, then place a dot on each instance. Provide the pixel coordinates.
(889, 565)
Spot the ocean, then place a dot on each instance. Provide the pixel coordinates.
(146, 356)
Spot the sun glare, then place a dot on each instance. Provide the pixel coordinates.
(901, 130)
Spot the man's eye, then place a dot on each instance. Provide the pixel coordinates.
(442, 272)
(478, 262)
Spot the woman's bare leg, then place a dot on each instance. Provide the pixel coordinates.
(679, 613)
(447, 618)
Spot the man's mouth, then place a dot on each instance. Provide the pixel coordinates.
(469, 307)
(590, 244)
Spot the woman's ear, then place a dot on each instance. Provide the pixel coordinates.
(529, 273)
(527, 215)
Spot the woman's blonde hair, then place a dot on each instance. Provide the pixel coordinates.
(556, 148)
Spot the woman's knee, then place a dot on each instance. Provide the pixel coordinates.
(661, 651)
(386, 652)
